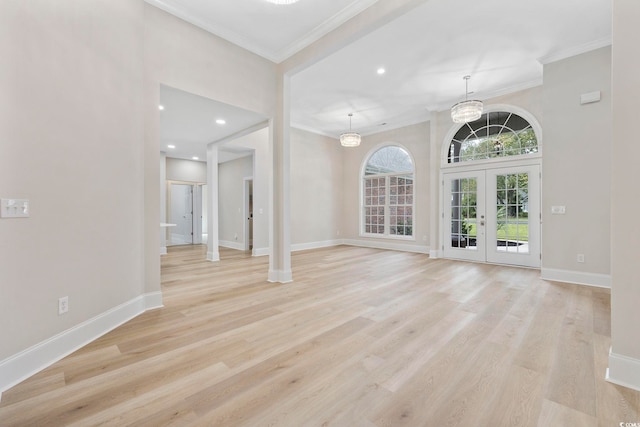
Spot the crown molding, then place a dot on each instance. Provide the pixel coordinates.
(325, 28)
(228, 35)
(274, 56)
(575, 50)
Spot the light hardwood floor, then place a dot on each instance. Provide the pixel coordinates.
(362, 337)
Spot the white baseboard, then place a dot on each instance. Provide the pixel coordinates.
(163, 250)
(624, 371)
(21, 366)
(231, 245)
(328, 243)
(260, 252)
(391, 245)
(178, 239)
(213, 256)
(577, 277)
(315, 245)
(152, 301)
(434, 254)
(280, 276)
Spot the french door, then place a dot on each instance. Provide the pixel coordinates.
(493, 215)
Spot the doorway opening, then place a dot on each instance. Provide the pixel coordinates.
(493, 215)
(491, 189)
(185, 213)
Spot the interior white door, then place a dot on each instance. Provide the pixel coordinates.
(181, 214)
(493, 215)
(197, 214)
(248, 214)
(204, 213)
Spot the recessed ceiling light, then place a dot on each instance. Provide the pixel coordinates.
(160, 107)
(381, 71)
(221, 121)
(195, 157)
(171, 146)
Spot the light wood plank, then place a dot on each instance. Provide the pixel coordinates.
(555, 414)
(362, 337)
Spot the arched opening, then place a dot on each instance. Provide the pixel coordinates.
(491, 190)
(495, 135)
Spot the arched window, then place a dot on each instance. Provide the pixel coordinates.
(387, 203)
(494, 135)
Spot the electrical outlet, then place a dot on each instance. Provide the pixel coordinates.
(580, 258)
(63, 305)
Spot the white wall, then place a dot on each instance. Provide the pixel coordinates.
(576, 167)
(415, 139)
(80, 83)
(71, 126)
(624, 361)
(188, 58)
(316, 189)
(259, 142)
(186, 170)
(231, 201)
(575, 164)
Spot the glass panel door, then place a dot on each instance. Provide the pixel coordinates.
(493, 216)
(513, 210)
(464, 236)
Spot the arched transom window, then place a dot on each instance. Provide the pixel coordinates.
(387, 204)
(494, 135)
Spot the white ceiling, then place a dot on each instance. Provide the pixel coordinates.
(188, 122)
(272, 31)
(502, 44)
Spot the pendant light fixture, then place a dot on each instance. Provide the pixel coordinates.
(467, 110)
(350, 139)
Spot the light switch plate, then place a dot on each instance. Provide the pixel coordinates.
(588, 98)
(14, 208)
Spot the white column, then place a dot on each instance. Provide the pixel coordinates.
(212, 203)
(280, 189)
(434, 187)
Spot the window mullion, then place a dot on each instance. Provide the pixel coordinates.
(381, 174)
